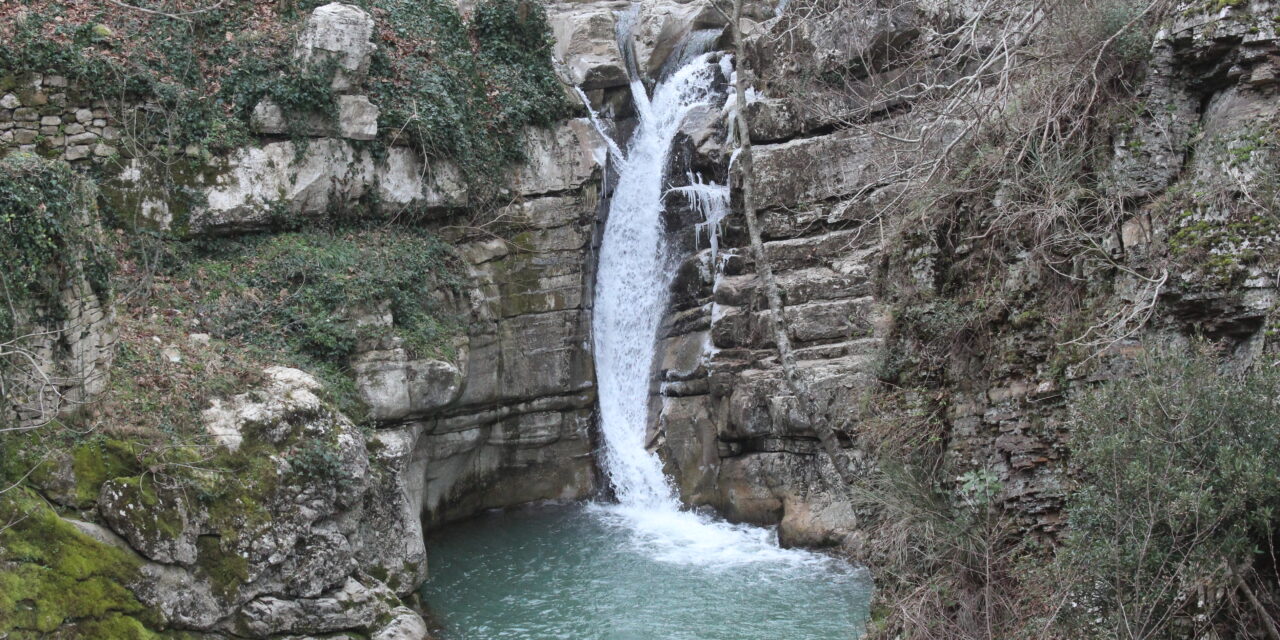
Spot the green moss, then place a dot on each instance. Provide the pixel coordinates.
(53, 575)
(178, 182)
(225, 569)
(96, 462)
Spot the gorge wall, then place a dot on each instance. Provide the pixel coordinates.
(324, 530)
(834, 189)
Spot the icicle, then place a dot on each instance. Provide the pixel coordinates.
(712, 201)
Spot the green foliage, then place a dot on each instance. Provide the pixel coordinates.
(299, 92)
(927, 332)
(1179, 489)
(318, 462)
(300, 290)
(166, 61)
(979, 487)
(53, 575)
(464, 90)
(298, 295)
(47, 227)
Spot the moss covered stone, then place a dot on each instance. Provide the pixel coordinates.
(225, 569)
(53, 575)
(153, 519)
(73, 474)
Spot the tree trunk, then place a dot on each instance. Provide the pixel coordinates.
(764, 270)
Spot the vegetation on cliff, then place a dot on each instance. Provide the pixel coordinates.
(455, 86)
(48, 235)
(56, 579)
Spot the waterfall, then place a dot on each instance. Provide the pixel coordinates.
(632, 286)
(633, 282)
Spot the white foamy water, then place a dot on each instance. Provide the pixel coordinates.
(632, 284)
(632, 288)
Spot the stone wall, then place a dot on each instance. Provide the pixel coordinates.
(39, 113)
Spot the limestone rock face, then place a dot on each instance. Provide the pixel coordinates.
(357, 119)
(661, 27)
(728, 430)
(253, 184)
(561, 158)
(338, 33)
(285, 547)
(247, 189)
(519, 429)
(587, 43)
(396, 388)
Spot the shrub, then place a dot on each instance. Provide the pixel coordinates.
(463, 89)
(1179, 496)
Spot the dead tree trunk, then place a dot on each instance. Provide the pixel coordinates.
(764, 270)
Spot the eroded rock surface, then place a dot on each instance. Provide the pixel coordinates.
(287, 541)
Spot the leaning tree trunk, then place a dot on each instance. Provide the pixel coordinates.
(764, 270)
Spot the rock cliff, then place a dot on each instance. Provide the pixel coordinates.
(322, 529)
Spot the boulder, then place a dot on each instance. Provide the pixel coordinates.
(338, 33)
(287, 545)
(396, 388)
(153, 519)
(353, 606)
(587, 44)
(288, 392)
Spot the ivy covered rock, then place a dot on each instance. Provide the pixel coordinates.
(57, 328)
(338, 34)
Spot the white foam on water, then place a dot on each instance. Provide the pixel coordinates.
(689, 538)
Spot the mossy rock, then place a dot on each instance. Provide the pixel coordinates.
(222, 566)
(52, 575)
(154, 520)
(74, 476)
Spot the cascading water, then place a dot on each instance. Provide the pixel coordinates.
(632, 287)
(641, 567)
(632, 284)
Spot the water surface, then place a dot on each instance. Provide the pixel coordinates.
(589, 572)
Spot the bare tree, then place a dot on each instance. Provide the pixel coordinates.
(818, 420)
